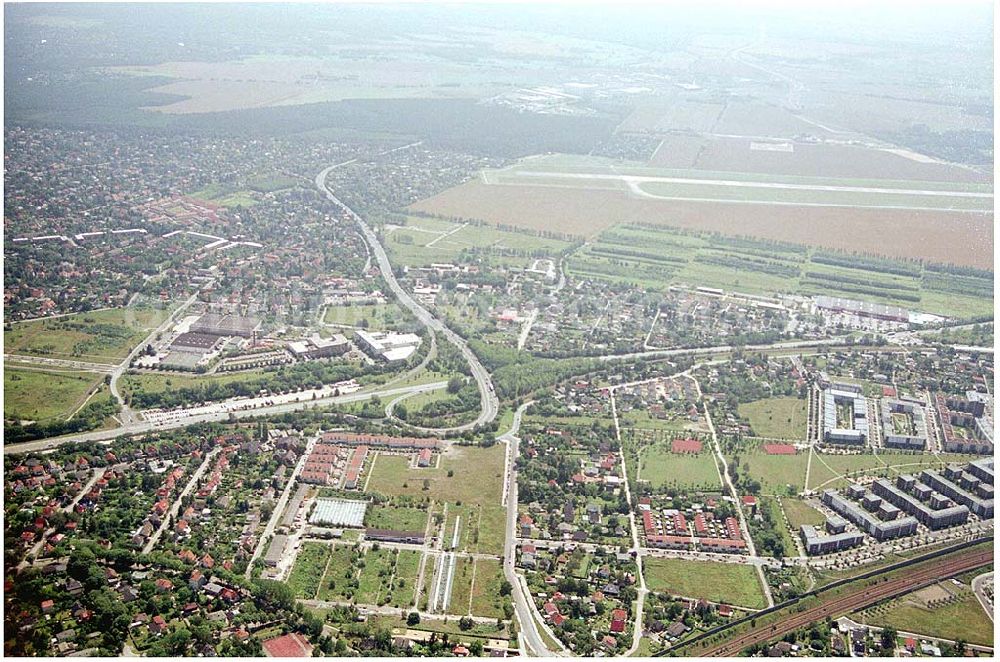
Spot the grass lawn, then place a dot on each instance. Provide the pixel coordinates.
(717, 582)
(388, 516)
(799, 512)
(100, 336)
(477, 476)
(486, 598)
(308, 569)
(780, 418)
(661, 467)
(961, 617)
(640, 418)
(776, 471)
(41, 395)
(827, 469)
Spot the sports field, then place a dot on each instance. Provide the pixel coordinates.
(726, 583)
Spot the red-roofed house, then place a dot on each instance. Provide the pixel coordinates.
(618, 617)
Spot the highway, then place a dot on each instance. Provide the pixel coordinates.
(140, 427)
(489, 405)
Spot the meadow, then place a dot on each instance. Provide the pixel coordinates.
(40, 395)
(99, 336)
(726, 583)
(779, 418)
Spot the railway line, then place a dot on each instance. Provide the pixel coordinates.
(858, 599)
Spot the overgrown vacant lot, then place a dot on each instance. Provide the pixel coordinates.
(942, 610)
(476, 476)
(799, 512)
(782, 418)
(775, 472)
(424, 240)
(101, 336)
(38, 395)
(726, 583)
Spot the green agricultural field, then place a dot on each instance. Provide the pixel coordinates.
(308, 569)
(779, 418)
(661, 467)
(727, 583)
(41, 395)
(957, 617)
(799, 512)
(776, 472)
(661, 256)
(486, 598)
(100, 336)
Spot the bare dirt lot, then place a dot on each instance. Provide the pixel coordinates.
(806, 159)
(965, 239)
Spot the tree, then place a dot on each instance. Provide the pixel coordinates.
(888, 639)
(413, 618)
(455, 384)
(466, 623)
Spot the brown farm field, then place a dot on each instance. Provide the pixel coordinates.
(938, 236)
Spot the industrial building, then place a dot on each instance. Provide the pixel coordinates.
(903, 526)
(817, 544)
(913, 439)
(318, 348)
(836, 430)
(225, 325)
(862, 309)
(388, 346)
(391, 535)
(925, 514)
(983, 507)
(276, 550)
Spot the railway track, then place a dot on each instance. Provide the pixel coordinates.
(858, 599)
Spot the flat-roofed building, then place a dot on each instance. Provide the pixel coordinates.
(316, 347)
(225, 325)
(275, 550)
(819, 544)
(925, 514)
(845, 417)
(904, 425)
(981, 507)
(388, 346)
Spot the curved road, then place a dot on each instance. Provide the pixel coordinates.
(489, 405)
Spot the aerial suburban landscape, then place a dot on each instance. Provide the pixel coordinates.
(495, 331)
